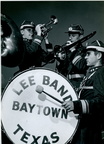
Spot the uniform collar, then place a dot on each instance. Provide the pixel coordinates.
(93, 69)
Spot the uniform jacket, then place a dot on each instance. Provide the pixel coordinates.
(34, 55)
(99, 91)
(90, 108)
(74, 63)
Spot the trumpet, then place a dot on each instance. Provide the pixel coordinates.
(48, 26)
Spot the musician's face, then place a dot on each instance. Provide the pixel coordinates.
(73, 37)
(28, 33)
(91, 58)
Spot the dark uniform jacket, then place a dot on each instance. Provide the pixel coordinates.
(74, 66)
(90, 108)
(34, 55)
(99, 91)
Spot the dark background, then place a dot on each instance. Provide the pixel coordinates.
(90, 14)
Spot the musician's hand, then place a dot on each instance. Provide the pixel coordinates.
(45, 32)
(46, 38)
(61, 56)
(38, 29)
(68, 43)
(46, 35)
(68, 105)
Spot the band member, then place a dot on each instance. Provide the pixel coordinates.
(34, 55)
(72, 63)
(99, 90)
(91, 98)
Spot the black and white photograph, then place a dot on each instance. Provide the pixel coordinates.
(52, 72)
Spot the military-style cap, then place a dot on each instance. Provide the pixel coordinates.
(27, 24)
(75, 28)
(96, 45)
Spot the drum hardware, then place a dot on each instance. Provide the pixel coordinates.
(40, 89)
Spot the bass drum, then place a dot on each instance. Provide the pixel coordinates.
(31, 108)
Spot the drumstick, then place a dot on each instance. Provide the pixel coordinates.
(40, 89)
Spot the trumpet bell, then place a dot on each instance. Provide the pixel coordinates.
(11, 43)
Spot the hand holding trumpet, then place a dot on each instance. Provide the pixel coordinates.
(38, 29)
(43, 29)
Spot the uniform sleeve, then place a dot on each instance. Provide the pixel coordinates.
(49, 47)
(81, 107)
(34, 46)
(99, 83)
(38, 39)
(98, 103)
(79, 63)
(36, 49)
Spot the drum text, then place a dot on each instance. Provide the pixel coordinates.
(30, 81)
(25, 84)
(25, 137)
(39, 109)
(54, 84)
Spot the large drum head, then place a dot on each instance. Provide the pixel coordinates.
(32, 111)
